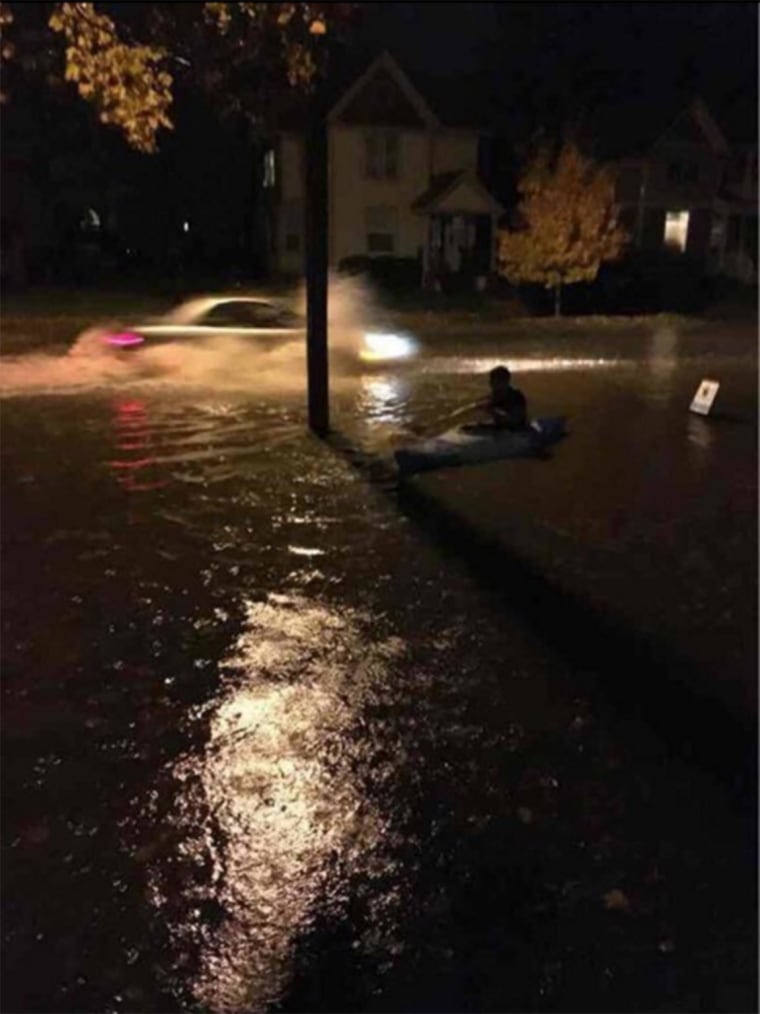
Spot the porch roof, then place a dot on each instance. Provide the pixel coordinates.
(446, 189)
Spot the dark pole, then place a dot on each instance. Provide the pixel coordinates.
(316, 272)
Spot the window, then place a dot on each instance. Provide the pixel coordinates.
(683, 172)
(381, 152)
(246, 314)
(90, 222)
(733, 236)
(292, 227)
(717, 232)
(676, 229)
(270, 169)
(381, 230)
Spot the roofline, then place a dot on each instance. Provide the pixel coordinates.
(386, 61)
(705, 120)
(465, 176)
(441, 129)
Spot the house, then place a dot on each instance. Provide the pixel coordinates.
(402, 183)
(692, 191)
(734, 237)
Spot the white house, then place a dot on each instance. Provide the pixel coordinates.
(400, 183)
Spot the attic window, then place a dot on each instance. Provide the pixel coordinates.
(676, 230)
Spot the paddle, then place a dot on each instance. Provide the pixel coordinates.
(449, 417)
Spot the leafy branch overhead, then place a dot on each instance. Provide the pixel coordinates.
(128, 84)
(568, 221)
(128, 68)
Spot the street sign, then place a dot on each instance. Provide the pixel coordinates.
(705, 396)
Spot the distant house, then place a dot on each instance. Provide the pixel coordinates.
(734, 236)
(693, 192)
(402, 183)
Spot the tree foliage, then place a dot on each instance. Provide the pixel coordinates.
(567, 221)
(129, 84)
(128, 59)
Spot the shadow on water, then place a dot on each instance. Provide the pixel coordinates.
(640, 674)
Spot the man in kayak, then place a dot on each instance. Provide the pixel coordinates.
(505, 405)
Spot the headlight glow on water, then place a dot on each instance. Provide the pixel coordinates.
(379, 346)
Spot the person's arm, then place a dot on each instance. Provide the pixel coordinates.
(442, 420)
(483, 403)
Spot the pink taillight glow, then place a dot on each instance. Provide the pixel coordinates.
(124, 339)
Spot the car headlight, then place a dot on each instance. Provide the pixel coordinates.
(380, 346)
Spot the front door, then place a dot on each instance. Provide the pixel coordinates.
(459, 249)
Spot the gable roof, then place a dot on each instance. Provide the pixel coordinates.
(439, 186)
(633, 128)
(444, 185)
(452, 103)
(696, 115)
(386, 67)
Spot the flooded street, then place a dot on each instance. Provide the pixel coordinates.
(267, 748)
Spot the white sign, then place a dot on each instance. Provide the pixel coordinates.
(705, 396)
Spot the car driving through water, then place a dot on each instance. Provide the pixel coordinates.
(266, 323)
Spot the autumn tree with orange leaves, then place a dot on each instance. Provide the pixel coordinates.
(567, 224)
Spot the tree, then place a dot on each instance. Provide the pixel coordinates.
(126, 59)
(567, 221)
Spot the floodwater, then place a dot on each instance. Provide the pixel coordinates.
(265, 748)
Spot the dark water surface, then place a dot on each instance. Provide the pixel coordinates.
(266, 749)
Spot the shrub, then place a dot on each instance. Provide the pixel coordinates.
(392, 273)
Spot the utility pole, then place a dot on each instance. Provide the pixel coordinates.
(316, 271)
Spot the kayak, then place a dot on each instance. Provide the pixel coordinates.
(469, 445)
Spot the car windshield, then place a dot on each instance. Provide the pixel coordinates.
(232, 312)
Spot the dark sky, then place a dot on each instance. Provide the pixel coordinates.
(556, 57)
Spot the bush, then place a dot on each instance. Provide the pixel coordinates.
(643, 282)
(653, 282)
(396, 274)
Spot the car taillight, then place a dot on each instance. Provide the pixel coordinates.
(123, 339)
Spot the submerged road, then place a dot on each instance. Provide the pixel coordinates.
(266, 747)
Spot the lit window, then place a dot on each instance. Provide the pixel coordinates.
(270, 169)
(186, 226)
(381, 149)
(91, 221)
(676, 229)
(381, 230)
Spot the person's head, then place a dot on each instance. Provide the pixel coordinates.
(499, 378)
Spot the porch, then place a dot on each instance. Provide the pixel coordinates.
(461, 220)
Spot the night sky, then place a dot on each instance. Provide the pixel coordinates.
(509, 69)
(548, 60)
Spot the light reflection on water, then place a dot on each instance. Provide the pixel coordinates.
(701, 435)
(279, 819)
(518, 364)
(271, 806)
(134, 441)
(385, 398)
